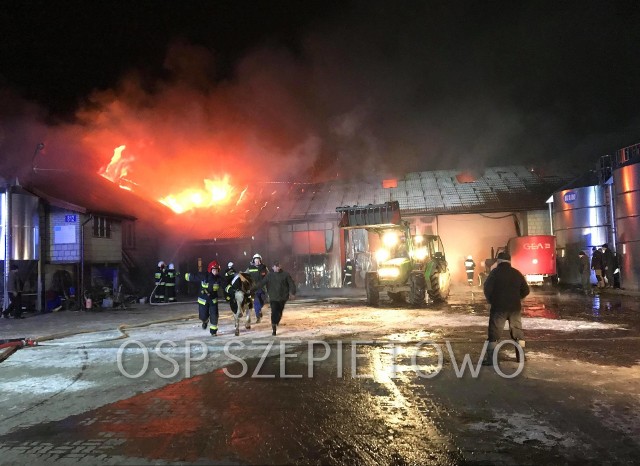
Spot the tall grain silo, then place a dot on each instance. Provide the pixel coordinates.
(626, 184)
(580, 222)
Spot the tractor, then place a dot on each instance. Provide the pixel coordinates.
(407, 267)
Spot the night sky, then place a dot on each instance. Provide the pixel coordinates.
(303, 90)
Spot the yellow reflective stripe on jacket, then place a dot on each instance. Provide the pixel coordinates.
(202, 301)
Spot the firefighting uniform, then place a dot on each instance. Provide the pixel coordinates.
(348, 274)
(228, 276)
(258, 272)
(208, 297)
(170, 284)
(469, 267)
(160, 278)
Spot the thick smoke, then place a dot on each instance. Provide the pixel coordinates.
(375, 89)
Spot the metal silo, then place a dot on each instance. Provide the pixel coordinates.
(579, 222)
(24, 227)
(626, 180)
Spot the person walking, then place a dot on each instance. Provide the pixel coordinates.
(170, 284)
(14, 288)
(596, 265)
(504, 289)
(228, 275)
(470, 268)
(258, 271)
(210, 283)
(280, 287)
(349, 282)
(608, 265)
(585, 272)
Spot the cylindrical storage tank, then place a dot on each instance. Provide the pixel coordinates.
(24, 226)
(626, 182)
(579, 223)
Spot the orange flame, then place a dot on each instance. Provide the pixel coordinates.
(215, 192)
(118, 168)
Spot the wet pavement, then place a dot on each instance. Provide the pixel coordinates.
(370, 389)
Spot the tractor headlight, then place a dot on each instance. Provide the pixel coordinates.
(420, 253)
(382, 255)
(388, 272)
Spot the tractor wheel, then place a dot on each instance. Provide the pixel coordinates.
(437, 292)
(416, 294)
(373, 294)
(396, 298)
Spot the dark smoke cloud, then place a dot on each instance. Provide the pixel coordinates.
(378, 88)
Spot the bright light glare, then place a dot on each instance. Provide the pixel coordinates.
(418, 239)
(390, 239)
(388, 272)
(535, 261)
(382, 255)
(215, 192)
(420, 253)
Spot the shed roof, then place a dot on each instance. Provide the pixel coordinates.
(497, 189)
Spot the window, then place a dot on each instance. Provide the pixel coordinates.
(101, 227)
(128, 235)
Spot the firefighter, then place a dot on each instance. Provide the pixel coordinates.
(349, 281)
(170, 284)
(258, 271)
(228, 275)
(469, 267)
(158, 294)
(210, 283)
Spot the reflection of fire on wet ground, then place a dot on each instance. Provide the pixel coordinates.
(539, 310)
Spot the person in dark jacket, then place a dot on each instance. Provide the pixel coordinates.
(608, 265)
(596, 265)
(280, 287)
(504, 289)
(585, 272)
(14, 288)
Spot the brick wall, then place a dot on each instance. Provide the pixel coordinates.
(538, 223)
(64, 240)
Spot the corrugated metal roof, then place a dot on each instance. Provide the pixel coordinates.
(497, 189)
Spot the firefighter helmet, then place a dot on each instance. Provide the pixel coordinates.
(171, 266)
(469, 257)
(213, 265)
(257, 256)
(161, 264)
(229, 265)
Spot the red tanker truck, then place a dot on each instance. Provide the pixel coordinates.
(534, 256)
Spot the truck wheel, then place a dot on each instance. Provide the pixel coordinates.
(373, 294)
(439, 293)
(416, 294)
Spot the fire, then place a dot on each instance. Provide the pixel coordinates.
(118, 168)
(215, 192)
